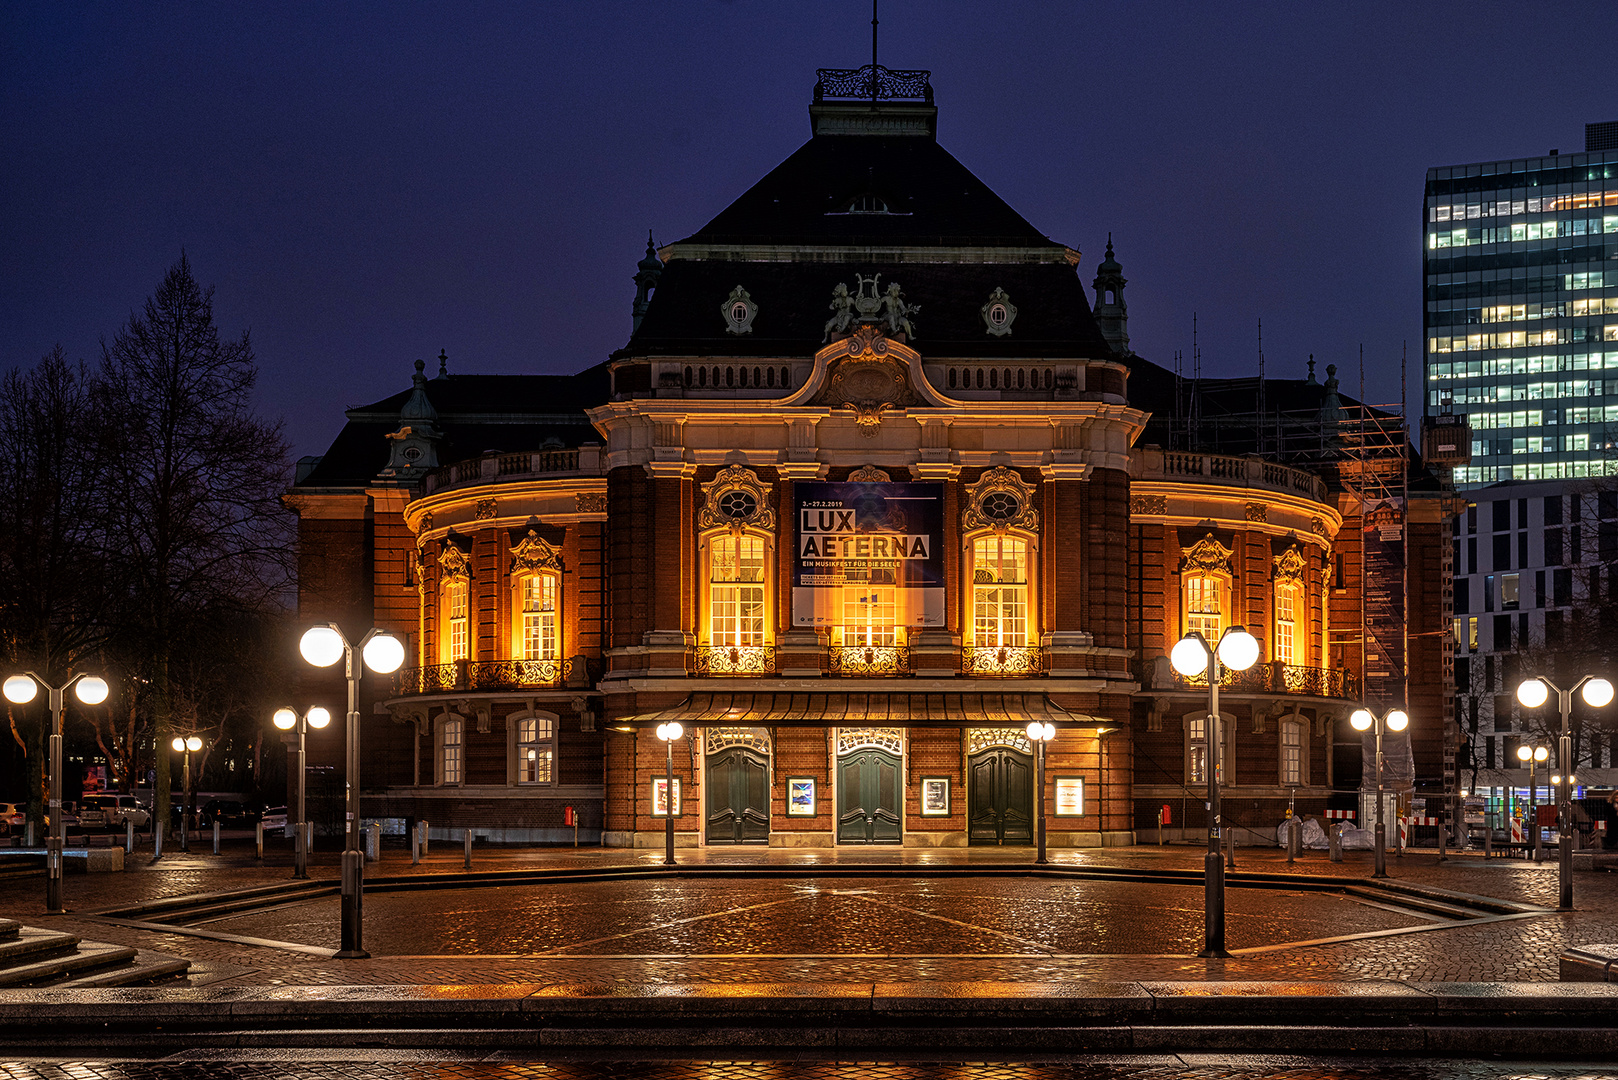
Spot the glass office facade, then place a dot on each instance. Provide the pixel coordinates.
(1520, 263)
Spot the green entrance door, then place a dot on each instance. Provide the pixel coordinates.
(738, 796)
(868, 798)
(1000, 797)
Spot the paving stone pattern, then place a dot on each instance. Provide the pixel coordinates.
(841, 928)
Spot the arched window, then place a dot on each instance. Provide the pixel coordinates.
(1286, 621)
(535, 746)
(455, 635)
(1205, 605)
(449, 750)
(736, 590)
(999, 592)
(538, 608)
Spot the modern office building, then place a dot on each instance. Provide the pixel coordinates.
(1520, 264)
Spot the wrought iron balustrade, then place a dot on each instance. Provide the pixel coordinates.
(1280, 679)
(873, 82)
(482, 675)
(735, 660)
(1003, 660)
(868, 660)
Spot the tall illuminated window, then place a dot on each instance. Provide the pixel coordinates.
(1286, 621)
(457, 630)
(1196, 751)
(736, 591)
(870, 610)
(1204, 605)
(999, 592)
(449, 750)
(539, 639)
(536, 750)
(1291, 752)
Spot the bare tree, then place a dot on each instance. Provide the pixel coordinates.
(192, 485)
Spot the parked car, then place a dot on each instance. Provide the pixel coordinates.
(112, 812)
(275, 820)
(230, 814)
(14, 817)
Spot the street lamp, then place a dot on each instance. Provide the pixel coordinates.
(1532, 757)
(186, 746)
(285, 719)
(323, 646)
(1393, 720)
(1237, 650)
(1597, 692)
(1040, 734)
(669, 732)
(20, 690)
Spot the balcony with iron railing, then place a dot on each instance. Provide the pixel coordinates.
(489, 675)
(1251, 471)
(728, 661)
(502, 468)
(1279, 678)
(868, 660)
(1003, 661)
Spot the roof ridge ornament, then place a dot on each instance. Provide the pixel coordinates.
(873, 82)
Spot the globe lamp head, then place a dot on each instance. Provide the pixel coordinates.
(284, 719)
(322, 646)
(1596, 693)
(178, 744)
(1238, 650)
(1540, 753)
(1361, 719)
(1036, 731)
(193, 744)
(20, 689)
(1397, 720)
(1050, 732)
(92, 690)
(1189, 656)
(384, 653)
(318, 717)
(1531, 693)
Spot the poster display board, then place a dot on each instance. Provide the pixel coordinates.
(1069, 796)
(866, 547)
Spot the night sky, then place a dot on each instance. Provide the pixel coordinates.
(369, 184)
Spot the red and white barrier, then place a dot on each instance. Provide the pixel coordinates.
(1341, 815)
(1404, 832)
(1516, 830)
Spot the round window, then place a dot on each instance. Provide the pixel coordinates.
(1001, 506)
(738, 505)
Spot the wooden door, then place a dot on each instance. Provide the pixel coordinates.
(868, 796)
(738, 796)
(1000, 797)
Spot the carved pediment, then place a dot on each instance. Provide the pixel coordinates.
(454, 561)
(868, 378)
(533, 553)
(1289, 565)
(736, 499)
(1000, 500)
(1206, 555)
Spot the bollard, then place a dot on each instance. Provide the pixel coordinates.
(216, 837)
(258, 840)
(1334, 841)
(373, 842)
(425, 837)
(1230, 848)
(415, 844)
(28, 834)
(466, 847)
(157, 844)
(308, 841)
(1294, 838)
(129, 836)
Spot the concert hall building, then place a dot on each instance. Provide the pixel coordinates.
(871, 487)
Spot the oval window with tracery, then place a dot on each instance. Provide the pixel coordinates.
(1001, 506)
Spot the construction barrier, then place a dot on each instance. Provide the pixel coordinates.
(1516, 830)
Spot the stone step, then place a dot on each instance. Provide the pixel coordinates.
(144, 968)
(30, 943)
(89, 956)
(9, 928)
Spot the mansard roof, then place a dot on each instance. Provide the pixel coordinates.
(686, 314)
(932, 199)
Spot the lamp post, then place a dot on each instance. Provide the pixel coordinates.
(1237, 650)
(20, 690)
(1392, 720)
(1040, 734)
(1532, 756)
(323, 646)
(285, 719)
(186, 746)
(1597, 692)
(669, 732)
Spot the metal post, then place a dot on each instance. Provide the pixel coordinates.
(668, 805)
(426, 836)
(157, 842)
(216, 836)
(57, 839)
(1533, 808)
(466, 848)
(1381, 869)
(1039, 795)
(129, 836)
(1213, 866)
(185, 802)
(415, 844)
(1292, 826)
(353, 855)
(300, 850)
(258, 840)
(1564, 805)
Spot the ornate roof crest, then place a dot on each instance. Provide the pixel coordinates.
(535, 553)
(999, 313)
(887, 311)
(868, 474)
(1000, 500)
(736, 499)
(1289, 565)
(1207, 555)
(739, 311)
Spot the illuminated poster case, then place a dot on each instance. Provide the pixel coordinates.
(868, 546)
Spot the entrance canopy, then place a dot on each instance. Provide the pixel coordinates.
(865, 710)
